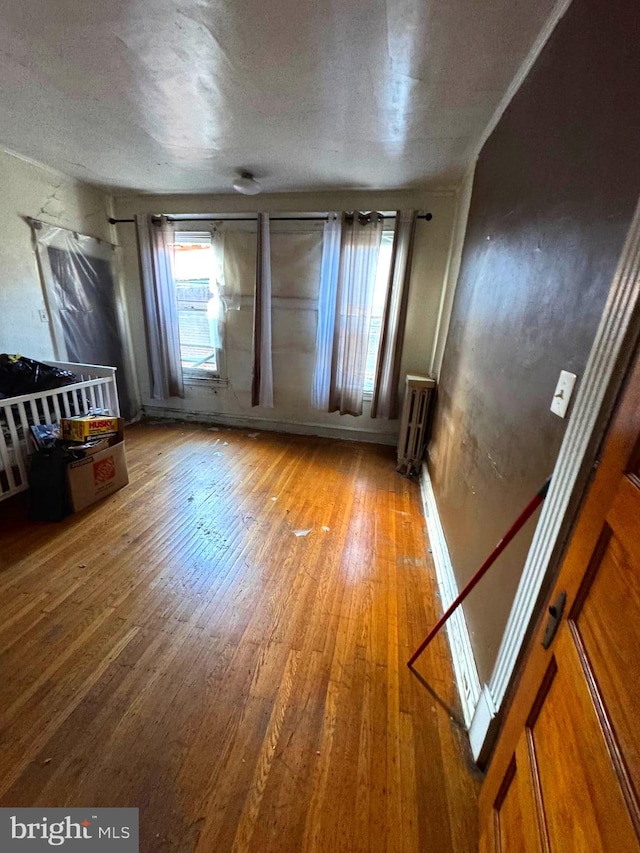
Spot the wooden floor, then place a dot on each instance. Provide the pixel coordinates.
(179, 648)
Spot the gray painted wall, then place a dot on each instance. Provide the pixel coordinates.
(554, 191)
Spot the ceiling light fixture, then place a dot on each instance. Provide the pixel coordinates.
(246, 184)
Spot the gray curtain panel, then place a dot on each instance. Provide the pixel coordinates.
(359, 250)
(385, 390)
(262, 380)
(155, 245)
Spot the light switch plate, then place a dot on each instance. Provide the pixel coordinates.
(563, 392)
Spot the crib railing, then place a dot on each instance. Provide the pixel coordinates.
(96, 389)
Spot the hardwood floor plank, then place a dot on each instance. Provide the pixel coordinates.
(178, 648)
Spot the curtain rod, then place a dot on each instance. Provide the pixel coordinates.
(112, 221)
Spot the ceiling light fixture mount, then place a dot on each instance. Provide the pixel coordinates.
(246, 184)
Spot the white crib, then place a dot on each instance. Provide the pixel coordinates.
(97, 389)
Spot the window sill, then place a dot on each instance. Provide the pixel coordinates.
(205, 381)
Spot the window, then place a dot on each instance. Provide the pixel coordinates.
(197, 291)
(354, 280)
(379, 299)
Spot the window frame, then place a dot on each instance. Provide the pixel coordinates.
(192, 376)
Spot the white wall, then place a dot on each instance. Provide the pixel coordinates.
(293, 321)
(30, 190)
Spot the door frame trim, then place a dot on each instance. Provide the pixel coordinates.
(613, 348)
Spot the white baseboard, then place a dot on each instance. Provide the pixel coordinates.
(268, 425)
(464, 664)
(483, 719)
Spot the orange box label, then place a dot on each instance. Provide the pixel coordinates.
(104, 470)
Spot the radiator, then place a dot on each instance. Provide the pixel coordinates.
(414, 423)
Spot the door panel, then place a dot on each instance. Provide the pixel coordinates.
(607, 623)
(569, 754)
(517, 812)
(583, 803)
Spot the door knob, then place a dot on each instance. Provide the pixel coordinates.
(555, 615)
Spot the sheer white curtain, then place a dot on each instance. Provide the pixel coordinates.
(344, 309)
(228, 288)
(221, 299)
(385, 389)
(155, 244)
(262, 381)
(326, 312)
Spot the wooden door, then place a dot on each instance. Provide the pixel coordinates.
(565, 775)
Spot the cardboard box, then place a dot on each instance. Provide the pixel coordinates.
(97, 475)
(79, 429)
(94, 445)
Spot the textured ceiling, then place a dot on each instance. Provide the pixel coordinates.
(159, 96)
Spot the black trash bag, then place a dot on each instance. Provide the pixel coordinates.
(19, 375)
(48, 493)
